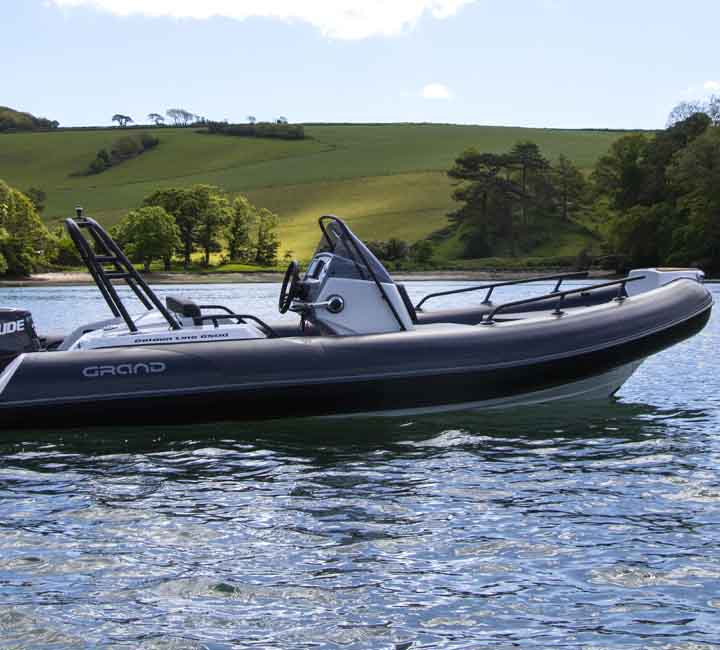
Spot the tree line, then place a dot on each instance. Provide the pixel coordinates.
(179, 117)
(183, 117)
(180, 221)
(170, 223)
(509, 201)
(653, 199)
(661, 195)
(279, 128)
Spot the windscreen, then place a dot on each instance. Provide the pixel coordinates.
(341, 241)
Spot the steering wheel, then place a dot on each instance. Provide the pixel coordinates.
(290, 287)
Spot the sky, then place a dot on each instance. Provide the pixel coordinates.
(535, 63)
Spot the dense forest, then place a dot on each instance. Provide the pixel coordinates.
(661, 196)
(652, 199)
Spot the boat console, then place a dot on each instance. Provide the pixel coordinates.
(346, 290)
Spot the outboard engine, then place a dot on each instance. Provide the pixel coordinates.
(17, 335)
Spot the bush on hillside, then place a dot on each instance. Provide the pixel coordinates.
(281, 131)
(125, 148)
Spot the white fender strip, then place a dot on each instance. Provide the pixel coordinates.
(9, 371)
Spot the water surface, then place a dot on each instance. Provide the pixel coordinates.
(594, 526)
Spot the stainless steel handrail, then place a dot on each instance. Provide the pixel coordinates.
(560, 295)
(490, 287)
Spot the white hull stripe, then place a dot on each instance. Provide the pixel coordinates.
(10, 371)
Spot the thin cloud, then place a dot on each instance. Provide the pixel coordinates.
(712, 86)
(338, 19)
(436, 91)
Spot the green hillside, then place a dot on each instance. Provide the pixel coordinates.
(388, 180)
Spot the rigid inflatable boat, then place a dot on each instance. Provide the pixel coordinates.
(358, 346)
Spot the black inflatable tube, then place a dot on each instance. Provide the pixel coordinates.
(311, 376)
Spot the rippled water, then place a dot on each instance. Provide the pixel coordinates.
(567, 527)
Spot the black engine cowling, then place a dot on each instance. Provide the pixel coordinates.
(17, 335)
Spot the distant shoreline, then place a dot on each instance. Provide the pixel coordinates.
(60, 279)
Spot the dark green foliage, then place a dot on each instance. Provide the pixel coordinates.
(695, 176)
(122, 120)
(268, 243)
(619, 174)
(569, 185)
(97, 166)
(148, 233)
(634, 171)
(25, 243)
(185, 206)
(149, 141)
(12, 120)
(211, 224)
(280, 130)
(125, 148)
(38, 198)
(251, 234)
(181, 117)
(634, 234)
(583, 260)
(239, 230)
(392, 250)
(104, 157)
(664, 196)
(488, 195)
(660, 152)
(66, 253)
(201, 214)
(422, 252)
(399, 252)
(710, 108)
(510, 201)
(526, 157)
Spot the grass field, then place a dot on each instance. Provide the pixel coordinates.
(388, 180)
